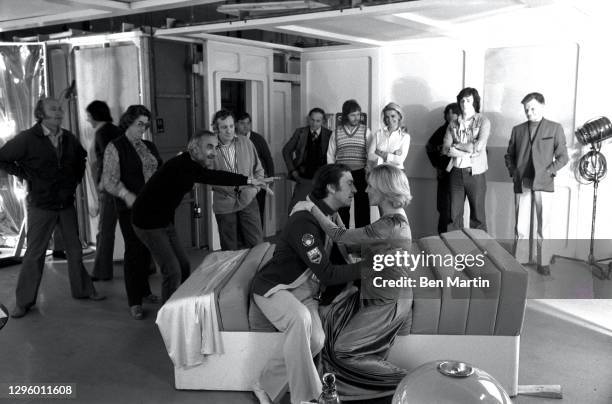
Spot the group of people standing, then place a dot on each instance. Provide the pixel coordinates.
(311, 266)
(354, 326)
(135, 188)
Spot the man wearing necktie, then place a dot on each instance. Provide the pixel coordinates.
(306, 152)
(52, 161)
(536, 152)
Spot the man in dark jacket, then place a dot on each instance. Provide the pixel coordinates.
(286, 289)
(98, 115)
(305, 153)
(440, 163)
(154, 208)
(243, 127)
(52, 161)
(536, 152)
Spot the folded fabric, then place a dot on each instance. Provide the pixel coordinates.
(188, 321)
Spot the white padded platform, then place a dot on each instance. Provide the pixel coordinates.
(247, 352)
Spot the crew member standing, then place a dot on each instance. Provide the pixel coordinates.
(305, 153)
(52, 161)
(243, 127)
(536, 152)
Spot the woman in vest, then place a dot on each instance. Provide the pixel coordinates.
(360, 327)
(129, 162)
(349, 145)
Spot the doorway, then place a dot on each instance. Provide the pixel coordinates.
(233, 96)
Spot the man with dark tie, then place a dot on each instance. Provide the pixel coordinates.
(305, 152)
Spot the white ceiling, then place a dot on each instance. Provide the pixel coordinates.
(467, 20)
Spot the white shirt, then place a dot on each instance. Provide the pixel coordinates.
(394, 142)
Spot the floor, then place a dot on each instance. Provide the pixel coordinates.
(114, 359)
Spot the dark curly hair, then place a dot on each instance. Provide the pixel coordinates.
(329, 174)
(348, 107)
(131, 114)
(466, 92)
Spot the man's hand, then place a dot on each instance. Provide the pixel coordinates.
(302, 205)
(262, 183)
(295, 175)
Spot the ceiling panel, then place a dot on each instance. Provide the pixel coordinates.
(369, 27)
(19, 9)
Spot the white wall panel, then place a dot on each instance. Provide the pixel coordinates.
(422, 83)
(334, 77)
(225, 61)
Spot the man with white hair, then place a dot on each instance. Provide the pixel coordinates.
(154, 208)
(52, 161)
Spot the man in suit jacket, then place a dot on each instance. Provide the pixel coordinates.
(305, 152)
(536, 152)
(99, 116)
(52, 161)
(243, 127)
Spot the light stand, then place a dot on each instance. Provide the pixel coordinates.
(592, 167)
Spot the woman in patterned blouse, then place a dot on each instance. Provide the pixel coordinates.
(129, 162)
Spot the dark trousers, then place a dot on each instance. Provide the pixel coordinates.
(261, 202)
(443, 202)
(169, 255)
(136, 261)
(362, 203)
(41, 223)
(241, 228)
(105, 240)
(463, 184)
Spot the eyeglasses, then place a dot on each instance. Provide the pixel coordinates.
(143, 125)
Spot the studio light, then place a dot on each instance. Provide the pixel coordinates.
(592, 168)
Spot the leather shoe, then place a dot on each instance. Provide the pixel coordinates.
(543, 269)
(59, 254)
(96, 297)
(136, 312)
(19, 312)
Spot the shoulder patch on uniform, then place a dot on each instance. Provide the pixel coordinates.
(314, 255)
(307, 240)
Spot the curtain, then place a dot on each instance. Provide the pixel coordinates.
(21, 85)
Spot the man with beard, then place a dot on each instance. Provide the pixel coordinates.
(287, 289)
(153, 210)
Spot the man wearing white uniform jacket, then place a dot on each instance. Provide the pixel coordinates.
(536, 152)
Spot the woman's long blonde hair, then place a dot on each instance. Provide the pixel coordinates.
(391, 182)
